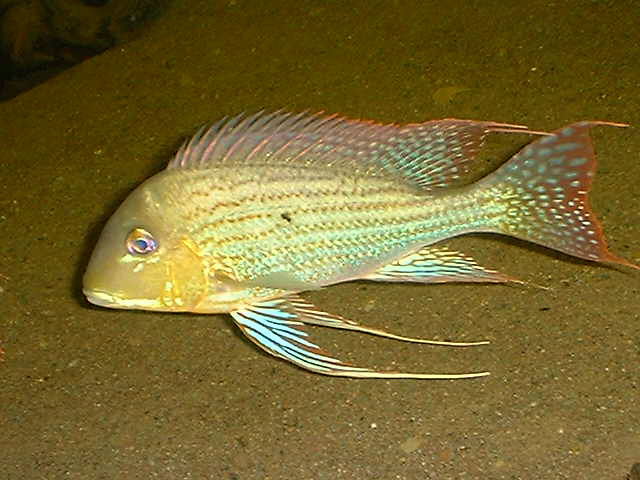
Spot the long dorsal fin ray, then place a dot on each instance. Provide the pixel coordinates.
(429, 155)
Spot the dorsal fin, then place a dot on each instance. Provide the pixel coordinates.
(428, 155)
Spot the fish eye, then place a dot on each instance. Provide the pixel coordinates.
(140, 242)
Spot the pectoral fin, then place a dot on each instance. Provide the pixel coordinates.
(437, 265)
(279, 327)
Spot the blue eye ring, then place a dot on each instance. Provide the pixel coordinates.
(141, 242)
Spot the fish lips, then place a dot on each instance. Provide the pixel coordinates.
(109, 300)
(101, 299)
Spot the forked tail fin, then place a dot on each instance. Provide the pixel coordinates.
(544, 188)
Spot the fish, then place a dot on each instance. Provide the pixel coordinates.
(257, 209)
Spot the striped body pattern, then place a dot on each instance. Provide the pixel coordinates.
(259, 208)
(324, 226)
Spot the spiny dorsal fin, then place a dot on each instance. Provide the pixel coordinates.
(429, 155)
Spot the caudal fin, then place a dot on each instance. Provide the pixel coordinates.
(545, 188)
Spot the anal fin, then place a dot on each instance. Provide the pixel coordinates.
(437, 265)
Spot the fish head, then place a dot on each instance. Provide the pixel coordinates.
(144, 259)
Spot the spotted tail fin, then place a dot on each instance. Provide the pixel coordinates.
(543, 190)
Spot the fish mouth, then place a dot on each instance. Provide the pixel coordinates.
(102, 299)
(109, 300)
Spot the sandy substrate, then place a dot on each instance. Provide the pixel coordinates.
(89, 393)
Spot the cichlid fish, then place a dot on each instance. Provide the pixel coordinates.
(259, 208)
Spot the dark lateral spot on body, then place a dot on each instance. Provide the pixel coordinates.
(285, 216)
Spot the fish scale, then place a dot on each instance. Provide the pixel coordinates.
(259, 208)
(366, 218)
